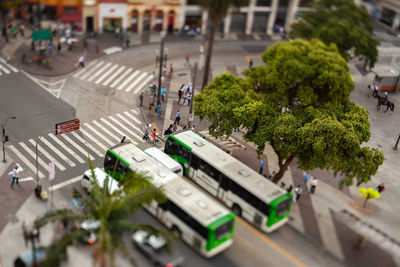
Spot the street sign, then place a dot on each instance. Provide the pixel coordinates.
(191, 117)
(68, 126)
(52, 171)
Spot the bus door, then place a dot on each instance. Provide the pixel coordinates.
(223, 187)
(160, 214)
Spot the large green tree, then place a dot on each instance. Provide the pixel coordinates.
(113, 210)
(298, 103)
(343, 23)
(217, 9)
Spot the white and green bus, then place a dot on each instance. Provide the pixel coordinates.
(199, 220)
(239, 187)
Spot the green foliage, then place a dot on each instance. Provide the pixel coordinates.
(344, 24)
(113, 210)
(299, 103)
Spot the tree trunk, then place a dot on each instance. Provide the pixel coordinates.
(282, 168)
(209, 52)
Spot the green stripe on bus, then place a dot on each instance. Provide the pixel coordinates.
(272, 218)
(211, 242)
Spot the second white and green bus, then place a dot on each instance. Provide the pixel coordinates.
(198, 219)
(239, 187)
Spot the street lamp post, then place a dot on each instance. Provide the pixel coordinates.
(161, 60)
(194, 86)
(4, 137)
(397, 142)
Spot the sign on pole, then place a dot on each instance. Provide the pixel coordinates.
(67, 126)
(52, 171)
(191, 117)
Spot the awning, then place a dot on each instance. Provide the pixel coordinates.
(71, 17)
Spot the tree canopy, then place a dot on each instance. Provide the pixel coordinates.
(343, 23)
(299, 103)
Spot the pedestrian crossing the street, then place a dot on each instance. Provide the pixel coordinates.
(73, 149)
(6, 68)
(115, 76)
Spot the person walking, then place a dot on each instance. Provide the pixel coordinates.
(250, 63)
(262, 163)
(127, 41)
(381, 188)
(163, 91)
(141, 96)
(21, 30)
(14, 176)
(159, 110)
(289, 188)
(81, 59)
(171, 70)
(189, 88)
(306, 178)
(180, 92)
(184, 98)
(154, 135)
(178, 117)
(187, 61)
(298, 191)
(314, 183)
(189, 98)
(174, 127)
(59, 48)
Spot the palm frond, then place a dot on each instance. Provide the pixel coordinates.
(60, 214)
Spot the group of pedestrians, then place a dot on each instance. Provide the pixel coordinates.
(185, 92)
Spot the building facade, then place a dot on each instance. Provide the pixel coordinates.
(387, 14)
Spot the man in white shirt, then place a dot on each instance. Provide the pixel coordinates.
(81, 59)
(14, 176)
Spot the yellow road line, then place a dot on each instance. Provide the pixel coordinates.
(272, 244)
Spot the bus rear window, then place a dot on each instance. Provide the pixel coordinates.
(223, 230)
(282, 207)
(178, 171)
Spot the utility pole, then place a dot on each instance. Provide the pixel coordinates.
(397, 142)
(160, 71)
(191, 103)
(4, 137)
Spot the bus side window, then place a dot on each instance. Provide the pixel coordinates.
(225, 182)
(184, 153)
(165, 205)
(122, 168)
(195, 162)
(214, 174)
(109, 162)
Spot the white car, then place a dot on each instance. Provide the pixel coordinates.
(101, 176)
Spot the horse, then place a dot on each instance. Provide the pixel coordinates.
(388, 104)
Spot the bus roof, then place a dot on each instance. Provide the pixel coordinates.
(192, 200)
(231, 167)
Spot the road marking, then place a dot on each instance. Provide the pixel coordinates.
(50, 157)
(77, 136)
(106, 74)
(94, 140)
(87, 74)
(4, 69)
(65, 183)
(135, 82)
(135, 111)
(271, 243)
(116, 129)
(61, 155)
(25, 160)
(76, 156)
(100, 135)
(33, 155)
(143, 84)
(126, 128)
(83, 69)
(121, 77)
(133, 75)
(107, 131)
(78, 147)
(99, 72)
(113, 76)
(132, 117)
(8, 65)
(129, 123)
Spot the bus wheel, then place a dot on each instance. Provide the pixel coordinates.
(237, 209)
(176, 232)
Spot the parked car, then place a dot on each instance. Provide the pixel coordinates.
(154, 248)
(90, 226)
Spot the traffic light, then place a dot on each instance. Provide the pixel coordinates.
(5, 139)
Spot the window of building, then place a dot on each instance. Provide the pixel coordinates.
(70, 10)
(263, 3)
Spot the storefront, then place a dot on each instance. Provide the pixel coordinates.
(112, 16)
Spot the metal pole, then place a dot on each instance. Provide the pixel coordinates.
(397, 142)
(3, 138)
(160, 72)
(193, 88)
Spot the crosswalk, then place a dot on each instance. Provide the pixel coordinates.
(393, 51)
(73, 149)
(6, 68)
(115, 76)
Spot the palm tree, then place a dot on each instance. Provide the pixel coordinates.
(112, 210)
(217, 9)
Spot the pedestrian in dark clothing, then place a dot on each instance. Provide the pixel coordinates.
(180, 92)
(127, 42)
(250, 63)
(298, 191)
(14, 176)
(262, 163)
(23, 57)
(141, 99)
(59, 48)
(289, 188)
(189, 98)
(178, 117)
(313, 185)
(32, 46)
(283, 185)
(381, 188)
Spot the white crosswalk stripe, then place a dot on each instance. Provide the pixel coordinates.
(128, 80)
(121, 77)
(143, 84)
(66, 151)
(81, 71)
(61, 155)
(135, 82)
(4, 69)
(112, 77)
(2, 60)
(50, 157)
(92, 77)
(91, 71)
(106, 74)
(116, 129)
(25, 161)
